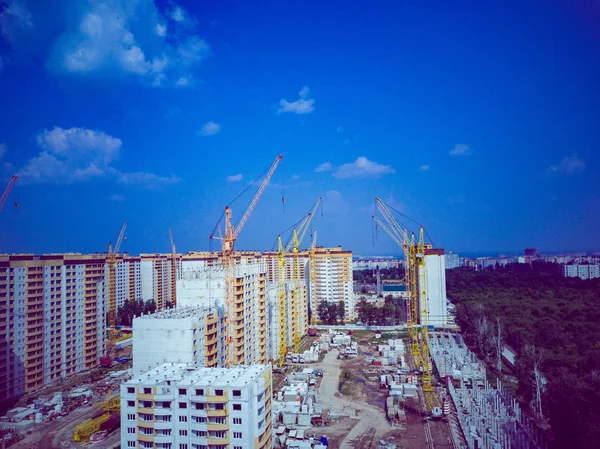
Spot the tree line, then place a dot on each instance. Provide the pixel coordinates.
(553, 324)
(132, 309)
(330, 312)
(390, 314)
(369, 276)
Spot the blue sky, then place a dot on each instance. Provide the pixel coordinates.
(479, 120)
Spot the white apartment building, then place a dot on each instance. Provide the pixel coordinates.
(179, 406)
(192, 334)
(332, 279)
(451, 261)
(591, 271)
(435, 290)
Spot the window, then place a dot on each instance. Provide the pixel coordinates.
(131, 444)
(183, 446)
(130, 389)
(199, 405)
(199, 433)
(166, 432)
(199, 419)
(237, 435)
(237, 406)
(146, 444)
(146, 417)
(218, 434)
(237, 420)
(131, 430)
(147, 390)
(238, 447)
(131, 416)
(182, 391)
(183, 433)
(218, 392)
(199, 392)
(145, 431)
(183, 405)
(237, 393)
(183, 419)
(217, 406)
(130, 403)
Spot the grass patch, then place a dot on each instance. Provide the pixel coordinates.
(348, 383)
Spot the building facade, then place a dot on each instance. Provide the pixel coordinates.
(179, 406)
(435, 313)
(52, 319)
(193, 334)
(202, 282)
(332, 279)
(588, 271)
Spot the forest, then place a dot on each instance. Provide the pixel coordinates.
(553, 323)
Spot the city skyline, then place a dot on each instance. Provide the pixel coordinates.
(191, 102)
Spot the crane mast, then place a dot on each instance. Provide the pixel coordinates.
(228, 262)
(312, 274)
(112, 277)
(282, 304)
(415, 279)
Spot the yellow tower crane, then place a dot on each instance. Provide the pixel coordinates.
(112, 277)
(312, 275)
(415, 279)
(295, 290)
(228, 237)
(9, 187)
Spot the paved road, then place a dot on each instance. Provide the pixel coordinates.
(369, 417)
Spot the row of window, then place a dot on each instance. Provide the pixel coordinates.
(196, 419)
(146, 444)
(183, 391)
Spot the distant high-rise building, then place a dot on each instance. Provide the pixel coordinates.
(451, 261)
(588, 271)
(333, 279)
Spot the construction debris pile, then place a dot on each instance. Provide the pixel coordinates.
(296, 408)
(490, 418)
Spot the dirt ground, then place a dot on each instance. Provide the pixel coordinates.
(363, 400)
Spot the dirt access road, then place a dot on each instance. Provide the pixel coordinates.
(372, 422)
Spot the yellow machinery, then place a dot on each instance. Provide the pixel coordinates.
(86, 429)
(295, 291)
(415, 272)
(312, 275)
(228, 237)
(112, 278)
(173, 270)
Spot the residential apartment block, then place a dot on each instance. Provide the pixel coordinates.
(202, 283)
(194, 334)
(179, 406)
(52, 318)
(435, 313)
(590, 271)
(332, 279)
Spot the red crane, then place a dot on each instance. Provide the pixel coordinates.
(9, 187)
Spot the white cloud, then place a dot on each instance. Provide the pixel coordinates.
(339, 129)
(235, 178)
(302, 105)
(107, 38)
(3, 149)
(424, 167)
(14, 21)
(161, 30)
(325, 166)
(461, 150)
(304, 92)
(79, 155)
(181, 16)
(570, 165)
(209, 129)
(117, 198)
(362, 168)
(148, 180)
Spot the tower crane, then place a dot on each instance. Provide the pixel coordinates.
(173, 270)
(415, 272)
(112, 277)
(7, 190)
(228, 237)
(312, 274)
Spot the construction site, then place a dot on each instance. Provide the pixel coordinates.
(409, 386)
